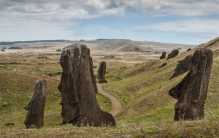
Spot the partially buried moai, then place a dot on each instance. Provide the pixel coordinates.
(35, 108)
(78, 89)
(173, 54)
(163, 55)
(102, 72)
(191, 92)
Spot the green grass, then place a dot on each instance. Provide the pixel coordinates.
(141, 88)
(16, 89)
(143, 91)
(195, 129)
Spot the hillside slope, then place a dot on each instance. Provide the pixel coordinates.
(141, 88)
(17, 79)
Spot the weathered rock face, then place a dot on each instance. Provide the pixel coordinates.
(183, 66)
(78, 89)
(163, 56)
(101, 72)
(173, 54)
(191, 93)
(35, 108)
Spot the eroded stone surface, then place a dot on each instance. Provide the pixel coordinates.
(35, 108)
(78, 89)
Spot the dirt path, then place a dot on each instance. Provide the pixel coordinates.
(116, 105)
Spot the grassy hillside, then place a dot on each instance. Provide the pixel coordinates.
(142, 89)
(17, 78)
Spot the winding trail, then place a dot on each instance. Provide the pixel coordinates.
(116, 105)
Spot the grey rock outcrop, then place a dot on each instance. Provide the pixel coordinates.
(35, 108)
(191, 92)
(78, 89)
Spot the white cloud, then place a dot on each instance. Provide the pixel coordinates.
(209, 26)
(95, 8)
(82, 9)
(33, 29)
(43, 18)
(200, 30)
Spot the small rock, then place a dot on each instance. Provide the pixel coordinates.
(9, 124)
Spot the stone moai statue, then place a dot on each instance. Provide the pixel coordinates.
(35, 108)
(173, 54)
(183, 66)
(78, 89)
(163, 55)
(191, 92)
(101, 72)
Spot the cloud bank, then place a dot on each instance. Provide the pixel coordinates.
(80, 9)
(54, 19)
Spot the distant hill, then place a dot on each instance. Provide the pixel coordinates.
(126, 45)
(122, 45)
(212, 44)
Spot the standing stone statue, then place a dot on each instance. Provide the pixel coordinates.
(164, 54)
(102, 72)
(189, 49)
(173, 54)
(35, 108)
(191, 93)
(78, 89)
(183, 66)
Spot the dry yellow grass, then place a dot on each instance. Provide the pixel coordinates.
(142, 88)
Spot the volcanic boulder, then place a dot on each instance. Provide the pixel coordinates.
(35, 108)
(173, 54)
(163, 56)
(78, 89)
(101, 72)
(191, 93)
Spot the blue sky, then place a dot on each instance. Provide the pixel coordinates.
(176, 21)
